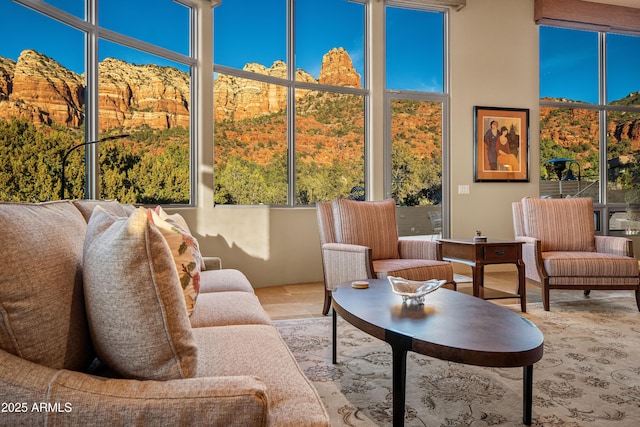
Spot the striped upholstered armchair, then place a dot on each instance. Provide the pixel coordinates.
(360, 241)
(561, 250)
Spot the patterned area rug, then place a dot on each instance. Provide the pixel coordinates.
(589, 374)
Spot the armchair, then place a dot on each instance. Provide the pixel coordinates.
(359, 240)
(561, 250)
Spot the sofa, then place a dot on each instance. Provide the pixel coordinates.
(95, 328)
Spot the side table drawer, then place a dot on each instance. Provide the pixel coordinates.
(500, 253)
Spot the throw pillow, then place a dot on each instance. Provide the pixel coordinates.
(135, 307)
(175, 219)
(86, 207)
(184, 249)
(178, 221)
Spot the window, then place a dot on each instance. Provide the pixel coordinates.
(289, 101)
(36, 123)
(135, 94)
(416, 104)
(414, 49)
(589, 116)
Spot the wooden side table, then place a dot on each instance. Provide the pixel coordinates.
(479, 254)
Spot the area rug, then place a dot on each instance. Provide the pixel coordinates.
(589, 374)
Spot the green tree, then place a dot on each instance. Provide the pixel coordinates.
(414, 181)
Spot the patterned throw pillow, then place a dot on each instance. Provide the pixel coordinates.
(175, 219)
(184, 249)
(178, 221)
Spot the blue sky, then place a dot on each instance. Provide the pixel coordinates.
(568, 67)
(414, 38)
(260, 36)
(65, 44)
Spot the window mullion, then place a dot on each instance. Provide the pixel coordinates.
(291, 103)
(602, 116)
(92, 161)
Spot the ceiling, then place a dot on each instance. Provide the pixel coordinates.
(628, 3)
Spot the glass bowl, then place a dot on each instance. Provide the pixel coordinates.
(412, 290)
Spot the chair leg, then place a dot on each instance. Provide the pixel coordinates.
(545, 298)
(587, 292)
(638, 297)
(327, 302)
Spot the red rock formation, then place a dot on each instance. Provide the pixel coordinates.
(7, 67)
(40, 89)
(45, 92)
(337, 69)
(237, 98)
(134, 95)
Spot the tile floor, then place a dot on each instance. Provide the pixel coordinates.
(306, 300)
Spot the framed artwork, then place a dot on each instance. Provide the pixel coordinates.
(501, 147)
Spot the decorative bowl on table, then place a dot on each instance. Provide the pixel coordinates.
(413, 290)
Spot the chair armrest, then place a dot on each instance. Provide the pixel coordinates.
(614, 245)
(344, 262)
(418, 249)
(526, 239)
(532, 257)
(82, 399)
(212, 262)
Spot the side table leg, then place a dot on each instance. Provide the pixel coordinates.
(477, 272)
(334, 334)
(522, 286)
(527, 393)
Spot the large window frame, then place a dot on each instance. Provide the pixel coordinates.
(604, 208)
(93, 35)
(391, 95)
(292, 85)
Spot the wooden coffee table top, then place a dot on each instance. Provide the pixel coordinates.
(450, 325)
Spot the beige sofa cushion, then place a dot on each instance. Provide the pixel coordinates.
(228, 308)
(136, 311)
(560, 224)
(223, 280)
(370, 224)
(42, 310)
(232, 350)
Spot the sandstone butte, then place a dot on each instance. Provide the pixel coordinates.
(40, 89)
(43, 91)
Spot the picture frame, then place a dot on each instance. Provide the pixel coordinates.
(501, 144)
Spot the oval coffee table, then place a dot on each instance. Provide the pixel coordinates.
(449, 326)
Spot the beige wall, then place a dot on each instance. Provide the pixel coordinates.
(494, 62)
